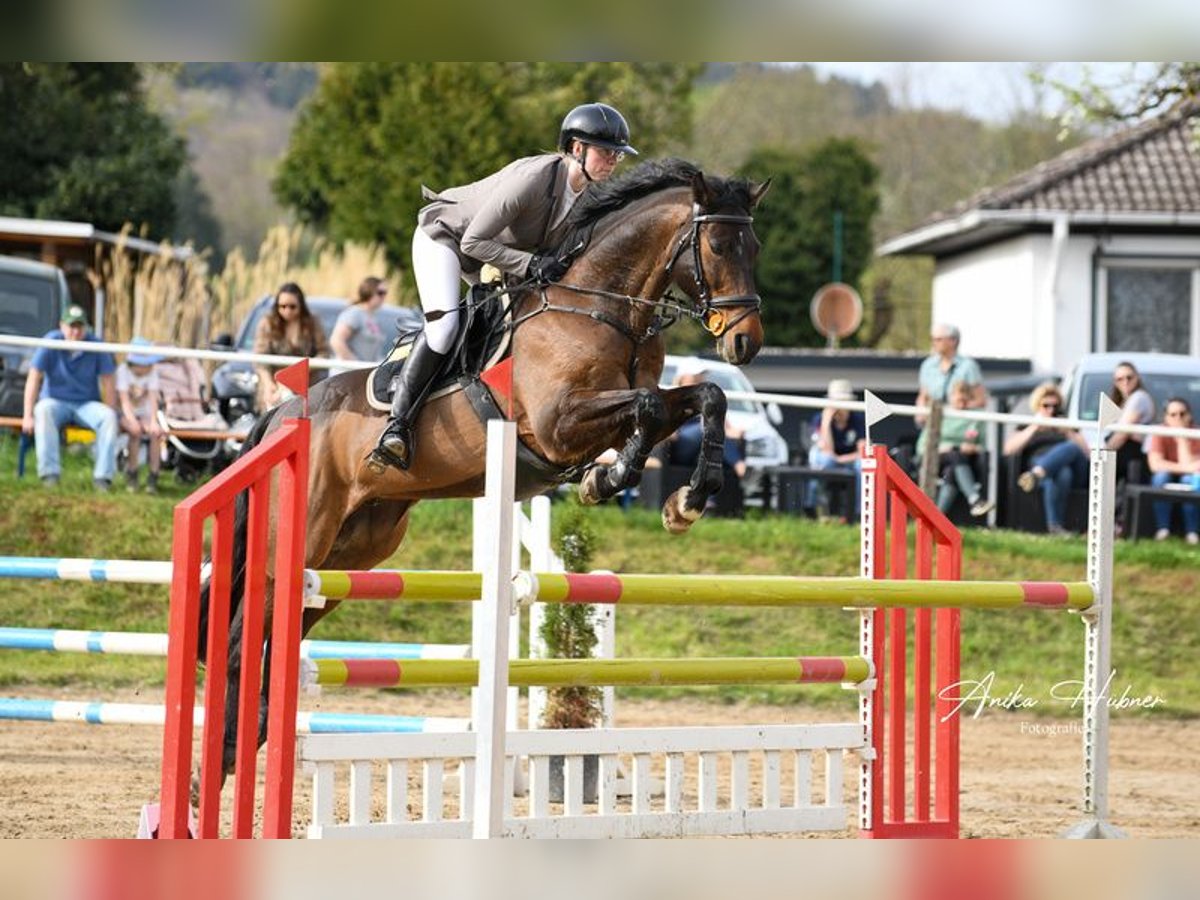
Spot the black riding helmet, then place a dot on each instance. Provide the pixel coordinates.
(598, 124)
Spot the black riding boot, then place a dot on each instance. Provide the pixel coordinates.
(409, 387)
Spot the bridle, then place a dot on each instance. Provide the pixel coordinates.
(710, 312)
(715, 320)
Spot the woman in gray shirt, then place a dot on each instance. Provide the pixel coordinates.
(499, 220)
(357, 334)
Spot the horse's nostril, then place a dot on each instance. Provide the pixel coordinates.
(741, 345)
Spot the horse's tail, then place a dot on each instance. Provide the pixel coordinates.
(240, 527)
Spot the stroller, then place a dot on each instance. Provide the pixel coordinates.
(182, 385)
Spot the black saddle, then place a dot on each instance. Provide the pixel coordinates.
(482, 341)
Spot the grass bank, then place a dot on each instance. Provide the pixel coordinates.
(1156, 616)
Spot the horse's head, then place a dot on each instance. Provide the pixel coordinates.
(714, 264)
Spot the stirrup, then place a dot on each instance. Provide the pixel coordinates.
(385, 456)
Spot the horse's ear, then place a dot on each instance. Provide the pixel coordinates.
(700, 192)
(757, 191)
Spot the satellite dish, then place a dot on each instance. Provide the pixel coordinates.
(836, 311)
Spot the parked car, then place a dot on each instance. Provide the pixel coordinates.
(235, 383)
(764, 445)
(32, 298)
(1165, 375)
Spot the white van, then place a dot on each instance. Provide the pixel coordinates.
(764, 445)
(1165, 375)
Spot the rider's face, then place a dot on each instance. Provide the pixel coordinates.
(600, 162)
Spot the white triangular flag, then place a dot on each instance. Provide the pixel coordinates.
(1109, 413)
(877, 411)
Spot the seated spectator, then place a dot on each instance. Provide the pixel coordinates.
(838, 436)
(958, 456)
(1176, 460)
(67, 387)
(138, 399)
(1059, 458)
(1137, 408)
(684, 448)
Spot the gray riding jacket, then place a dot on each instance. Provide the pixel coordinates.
(500, 219)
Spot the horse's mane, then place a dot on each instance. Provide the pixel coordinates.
(600, 199)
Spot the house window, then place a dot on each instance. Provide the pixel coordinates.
(1149, 308)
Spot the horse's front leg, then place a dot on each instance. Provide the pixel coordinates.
(686, 505)
(643, 410)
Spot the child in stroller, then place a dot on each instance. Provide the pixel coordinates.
(183, 387)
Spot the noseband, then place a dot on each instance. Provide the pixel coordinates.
(712, 313)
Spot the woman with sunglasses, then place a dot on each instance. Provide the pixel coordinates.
(1059, 457)
(1137, 408)
(288, 329)
(502, 220)
(1176, 460)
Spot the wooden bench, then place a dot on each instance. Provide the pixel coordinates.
(1135, 493)
(75, 433)
(788, 484)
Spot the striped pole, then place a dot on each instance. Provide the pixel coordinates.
(72, 569)
(101, 713)
(63, 640)
(577, 672)
(713, 590)
(388, 584)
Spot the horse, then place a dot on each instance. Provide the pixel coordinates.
(587, 353)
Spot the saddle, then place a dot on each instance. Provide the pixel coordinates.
(479, 365)
(483, 342)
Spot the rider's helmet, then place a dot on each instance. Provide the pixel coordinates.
(598, 124)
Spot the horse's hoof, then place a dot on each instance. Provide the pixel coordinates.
(589, 487)
(676, 516)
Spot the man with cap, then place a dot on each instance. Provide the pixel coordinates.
(71, 386)
(837, 439)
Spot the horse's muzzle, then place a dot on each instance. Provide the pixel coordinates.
(739, 348)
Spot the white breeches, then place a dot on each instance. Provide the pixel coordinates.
(439, 282)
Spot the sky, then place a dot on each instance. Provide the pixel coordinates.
(988, 90)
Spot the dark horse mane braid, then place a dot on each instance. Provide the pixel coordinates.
(602, 198)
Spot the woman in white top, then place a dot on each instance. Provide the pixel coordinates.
(137, 398)
(1137, 408)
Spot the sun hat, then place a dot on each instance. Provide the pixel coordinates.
(840, 389)
(142, 359)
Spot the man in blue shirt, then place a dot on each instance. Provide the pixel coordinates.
(945, 367)
(71, 387)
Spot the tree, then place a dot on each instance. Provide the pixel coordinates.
(373, 133)
(1140, 93)
(796, 226)
(87, 147)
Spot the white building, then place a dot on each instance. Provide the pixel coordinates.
(1097, 249)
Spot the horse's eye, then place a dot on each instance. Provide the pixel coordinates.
(718, 247)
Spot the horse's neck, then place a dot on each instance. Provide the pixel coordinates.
(631, 254)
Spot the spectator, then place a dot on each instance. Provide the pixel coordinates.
(944, 368)
(1059, 457)
(138, 397)
(1176, 460)
(288, 329)
(685, 443)
(357, 334)
(838, 436)
(1137, 408)
(74, 386)
(958, 456)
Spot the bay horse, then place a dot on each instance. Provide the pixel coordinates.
(587, 353)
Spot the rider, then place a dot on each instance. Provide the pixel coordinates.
(499, 220)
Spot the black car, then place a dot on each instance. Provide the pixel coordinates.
(235, 383)
(33, 296)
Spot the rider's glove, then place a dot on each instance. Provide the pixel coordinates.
(545, 269)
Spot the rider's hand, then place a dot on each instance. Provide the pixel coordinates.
(545, 269)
